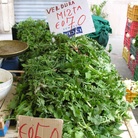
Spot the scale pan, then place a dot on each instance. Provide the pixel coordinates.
(11, 48)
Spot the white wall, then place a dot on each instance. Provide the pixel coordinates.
(117, 14)
(6, 15)
(1, 24)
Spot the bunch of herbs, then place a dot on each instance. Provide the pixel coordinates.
(73, 80)
(36, 34)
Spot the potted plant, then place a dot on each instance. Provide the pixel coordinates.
(98, 9)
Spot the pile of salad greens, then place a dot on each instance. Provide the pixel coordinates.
(71, 79)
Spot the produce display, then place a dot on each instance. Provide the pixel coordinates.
(132, 88)
(131, 85)
(71, 79)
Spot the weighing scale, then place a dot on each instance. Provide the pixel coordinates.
(9, 52)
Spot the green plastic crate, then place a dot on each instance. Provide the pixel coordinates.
(136, 74)
(134, 50)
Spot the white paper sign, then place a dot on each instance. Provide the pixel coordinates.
(70, 18)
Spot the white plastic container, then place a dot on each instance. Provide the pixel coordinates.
(6, 80)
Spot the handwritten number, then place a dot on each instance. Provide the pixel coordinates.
(81, 20)
(37, 128)
(54, 131)
(33, 133)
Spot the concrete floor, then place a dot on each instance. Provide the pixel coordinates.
(116, 58)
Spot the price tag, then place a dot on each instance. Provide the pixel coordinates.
(72, 18)
(32, 127)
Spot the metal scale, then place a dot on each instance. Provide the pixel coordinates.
(9, 52)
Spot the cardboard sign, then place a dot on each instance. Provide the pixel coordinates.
(30, 127)
(71, 18)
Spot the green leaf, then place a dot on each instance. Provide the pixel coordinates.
(76, 73)
(79, 134)
(88, 75)
(111, 117)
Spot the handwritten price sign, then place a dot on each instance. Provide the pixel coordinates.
(70, 18)
(30, 127)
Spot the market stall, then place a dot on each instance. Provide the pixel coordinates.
(69, 76)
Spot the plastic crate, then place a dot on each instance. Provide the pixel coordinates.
(125, 54)
(134, 51)
(132, 12)
(127, 40)
(136, 73)
(131, 27)
(132, 65)
(130, 95)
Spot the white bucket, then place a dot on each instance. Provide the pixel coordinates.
(6, 80)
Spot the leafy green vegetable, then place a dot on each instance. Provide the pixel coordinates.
(98, 9)
(36, 33)
(73, 79)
